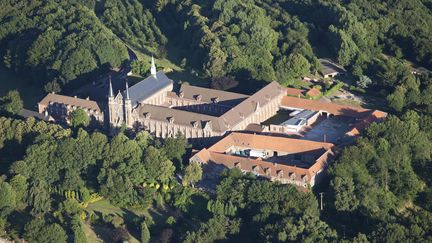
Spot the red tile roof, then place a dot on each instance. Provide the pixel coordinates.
(216, 154)
(373, 116)
(313, 92)
(315, 105)
(295, 92)
(67, 100)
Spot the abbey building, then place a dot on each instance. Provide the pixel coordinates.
(155, 105)
(196, 112)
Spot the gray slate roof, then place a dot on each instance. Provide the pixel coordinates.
(40, 116)
(181, 117)
(300, 118)
(329, 67)
(147, 87)
(250, 104)
(209, 95)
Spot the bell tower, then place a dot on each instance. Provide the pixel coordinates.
(112, 105)
(128, 108)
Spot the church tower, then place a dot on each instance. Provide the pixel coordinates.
(128, 108)
(112, 105)
(153, 70)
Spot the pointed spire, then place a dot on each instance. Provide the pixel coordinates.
(111, 93)
(127, 91)
(153, 67)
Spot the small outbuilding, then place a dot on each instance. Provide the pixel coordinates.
(330, 69)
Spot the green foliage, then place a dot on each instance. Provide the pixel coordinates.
(8, 198)
(140, 67)
(376, 176)
(192, 174)
(333, 89)
(78, 231)
(11, 102)
(219, 208)
(170, 220)
(133, 23)
(306, 229)
(292, 67)
(56, 39)
(52, 86)
(20, 186)
(217, 228)
(39, 198)
(396, 100)
(37, 231)
(145, 233)
(79, 118)
(175, 148)
(364, 82)
(158, 166)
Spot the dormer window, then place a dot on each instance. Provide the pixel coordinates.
(279, 173)
(292, 176)
(194, 124)
(181, 94)
(171, 119)
(147, 115)
(198, 97)
(255, 168)
(216, 100)
(237, 165)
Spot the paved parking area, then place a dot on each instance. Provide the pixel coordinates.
(330, 130)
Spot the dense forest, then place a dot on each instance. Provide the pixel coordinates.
(60, 184)
(53, 177)
(255, 39)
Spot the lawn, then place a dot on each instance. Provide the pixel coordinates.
(105, 207)
(90, 234)
(177, 74)
(30, 93)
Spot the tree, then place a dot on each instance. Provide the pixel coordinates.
(192, 174)
(396, 100)
(140, 67)
(175, 148)
(39, 198)
(79, 118)
(157, 165)
(52, 86)
(8, 198)
(345, 196)
(145, 233)
(19, 184)
(217, 228)
(33, 228)
(364, 82)
(78, 230)
(291, 67)
(11, 102)
(53, 233)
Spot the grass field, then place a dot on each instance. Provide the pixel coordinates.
(30, 94)
(105, 207)
(177, 74)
